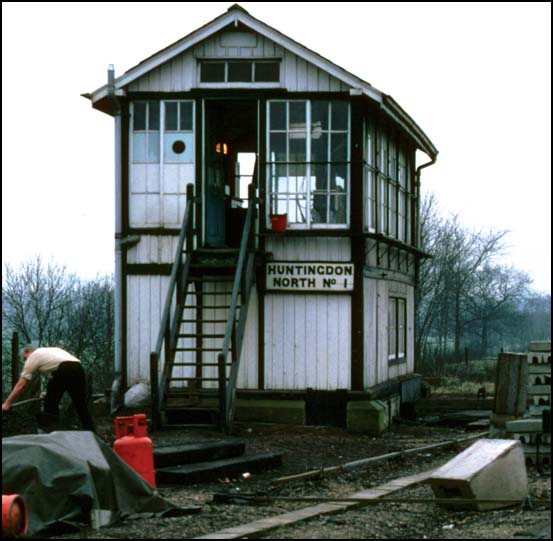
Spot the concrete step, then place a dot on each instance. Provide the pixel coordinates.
(178, 455)
(209, 471)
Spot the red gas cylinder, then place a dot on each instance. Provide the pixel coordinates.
(14, 516)
(134, 446)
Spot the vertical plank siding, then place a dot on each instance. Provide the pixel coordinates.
(376, 368)
(308, 337)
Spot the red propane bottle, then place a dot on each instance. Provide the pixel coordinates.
(134, 447)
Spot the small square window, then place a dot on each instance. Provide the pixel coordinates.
(267, 72)
(212, 72)
(239, 72)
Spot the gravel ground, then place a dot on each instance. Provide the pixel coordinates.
(305, 448)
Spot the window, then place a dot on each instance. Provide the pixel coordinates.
(240, 71)
(145, 140)
(397, 330)
(387, 185)
(308, 162)
(176, 131)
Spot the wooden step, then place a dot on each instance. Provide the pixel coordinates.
(200, 335)
(208, 471)
(178, 455)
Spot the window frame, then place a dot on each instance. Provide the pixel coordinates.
(397, 333)
(239, 84)
(308, 194)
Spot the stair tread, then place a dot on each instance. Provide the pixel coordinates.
(204, 471)
(178, 455)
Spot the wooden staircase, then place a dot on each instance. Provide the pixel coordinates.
(202, 330)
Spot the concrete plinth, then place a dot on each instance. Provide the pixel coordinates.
(367, 416)
(290, 412)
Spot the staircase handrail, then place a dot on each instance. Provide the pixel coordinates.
(243, 280)
(179, 277)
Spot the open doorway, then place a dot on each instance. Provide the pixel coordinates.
(230, 141)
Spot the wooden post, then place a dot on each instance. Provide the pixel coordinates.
(510, 384)
(15, 358)
(154, 391)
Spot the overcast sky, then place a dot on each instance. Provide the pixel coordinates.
(476, 77)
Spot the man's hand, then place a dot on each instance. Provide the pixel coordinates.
(5, 406)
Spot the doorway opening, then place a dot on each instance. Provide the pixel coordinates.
(230, 140)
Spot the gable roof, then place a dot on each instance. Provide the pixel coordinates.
(235, 16)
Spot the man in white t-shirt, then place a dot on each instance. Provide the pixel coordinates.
(64, 373)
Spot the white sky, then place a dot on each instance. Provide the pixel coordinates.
(476, 77)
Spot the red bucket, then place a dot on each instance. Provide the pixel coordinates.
(278, 222)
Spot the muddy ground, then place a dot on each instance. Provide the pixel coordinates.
(306, 448)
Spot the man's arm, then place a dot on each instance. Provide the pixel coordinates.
(17, 390)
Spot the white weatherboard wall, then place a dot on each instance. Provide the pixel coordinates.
(376, 367)
(145, 301)
(308, 336)
(181, 75)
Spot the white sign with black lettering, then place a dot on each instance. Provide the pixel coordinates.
(311, 276)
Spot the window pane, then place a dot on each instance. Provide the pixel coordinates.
(212, 72)
(277, 147)
(153, 147)
(338, 149)
(153, 115)
(279, 205)
(319, 148)
(298, 147)
(297, 178)
(186, 116)
(338, 176)
(277, 115)
(339, 115)
(279, 178)
(392, 351)
(171, 111)
(297, 211)
(139, 115)
(267, 72)
(297, 115)
(338, 209)
(319, 213)
(319, 114)
(239, 72)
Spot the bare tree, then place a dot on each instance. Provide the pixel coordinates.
(49, 306)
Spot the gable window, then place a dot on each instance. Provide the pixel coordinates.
(239, 71)
(308, 162)
(397, 330)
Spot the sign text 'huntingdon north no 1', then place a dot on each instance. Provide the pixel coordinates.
(312, 276)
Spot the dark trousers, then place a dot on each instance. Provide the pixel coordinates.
(69, 377)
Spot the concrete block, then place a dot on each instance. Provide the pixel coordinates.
(544, 345)
(367, 416)
(487, 470)
(271, 411)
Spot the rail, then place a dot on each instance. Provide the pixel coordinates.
(169, 327)
(234, 333)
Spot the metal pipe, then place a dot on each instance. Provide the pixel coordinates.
(118, 301)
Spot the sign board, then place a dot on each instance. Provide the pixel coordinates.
(310, 276)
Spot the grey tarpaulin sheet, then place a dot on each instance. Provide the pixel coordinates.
(71, 478)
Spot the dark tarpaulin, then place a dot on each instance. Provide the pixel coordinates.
(73, 478)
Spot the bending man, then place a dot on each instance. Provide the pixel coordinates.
(64, 373)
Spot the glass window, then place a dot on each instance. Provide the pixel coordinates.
(239, 72)
(145, 137)
(267, 72)
(397, 329)
(171, 115)
(212, 72)
(315, 162)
